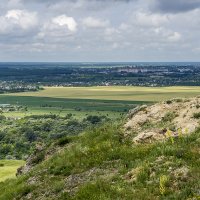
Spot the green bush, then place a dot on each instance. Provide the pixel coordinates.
(63, 141)
(93, 119)
(196, 115)
(197, 106)
(169, 117)
(169, 102)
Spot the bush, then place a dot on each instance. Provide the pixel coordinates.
(68, 116)
(39, 157)
(168, 102)
(93, 119)
(178, 100)
(196, 115)
(63, 141)
(2, 135)
(30, 135)
(2, 117)
(169, 116)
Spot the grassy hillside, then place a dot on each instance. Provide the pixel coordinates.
(8, 168)
(103, 163)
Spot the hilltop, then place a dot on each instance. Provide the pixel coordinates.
(156, 122)
(153, 154)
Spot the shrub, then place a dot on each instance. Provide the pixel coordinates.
(169, 102)
(39, 157)
(63, 141)
(196, 115)
(68, 116)
(30, 135)
(2, 117)
(94, 119)
(197, 106)
(169, 116)
(178, 100)
(2, 135)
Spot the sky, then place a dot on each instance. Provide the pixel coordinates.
(99, 30)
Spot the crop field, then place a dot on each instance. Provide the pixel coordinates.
(62, 106)
(123, 93)
(81, 101)
(8, 168)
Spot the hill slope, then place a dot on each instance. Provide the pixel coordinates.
(106, 163)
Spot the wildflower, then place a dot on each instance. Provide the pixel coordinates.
(169, 134)
(163, 182)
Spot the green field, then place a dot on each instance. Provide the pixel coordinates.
(80, 101)
(8, 168)
(123, 93)
(61, 106)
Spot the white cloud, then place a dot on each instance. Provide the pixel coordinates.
(149, 19)
(18, 20)
(91, 22)
(139, 33)
(21, 18)
(64, 20)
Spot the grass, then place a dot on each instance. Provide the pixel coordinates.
(103, 164)
(123, 93)
(8, 168)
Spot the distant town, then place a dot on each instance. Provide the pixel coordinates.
(17, 86)
(28, 77)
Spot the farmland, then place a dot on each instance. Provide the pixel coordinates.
(62, 106)
(81, 101)
(123, 93)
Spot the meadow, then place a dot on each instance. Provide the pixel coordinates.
(8, 168)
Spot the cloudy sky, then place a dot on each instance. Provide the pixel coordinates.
(100, 30)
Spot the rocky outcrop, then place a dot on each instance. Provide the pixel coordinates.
(166, 119)
(32, 160)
